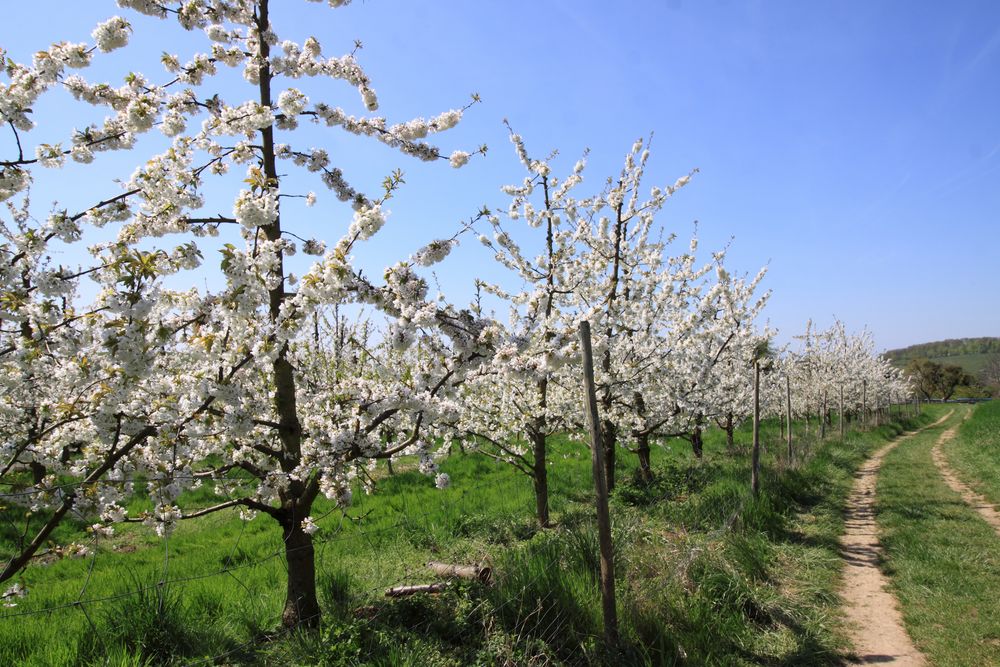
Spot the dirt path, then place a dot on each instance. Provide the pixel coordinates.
(875, 622)
(973, 499)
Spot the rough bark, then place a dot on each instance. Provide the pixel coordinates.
(697, 444)
(608, 605)
(301, 605)
(609, 433)
(822, 417)
(540, 478)
(643, 450)
(538, 430)
(301, 602)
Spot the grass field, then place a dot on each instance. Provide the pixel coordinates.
(944, 561)
(975, 455)
(704, 571)
(974, 363)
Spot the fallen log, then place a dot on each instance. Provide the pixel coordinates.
(403, 591)
(481, 572)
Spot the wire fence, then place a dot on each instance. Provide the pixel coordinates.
(369, 528)
(411, 515)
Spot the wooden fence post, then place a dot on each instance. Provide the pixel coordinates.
(788, 414)
(755, 454)
(841, 413)
(822, 418)
(600, 485)
(864, 403)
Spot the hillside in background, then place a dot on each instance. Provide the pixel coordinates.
(969, 353)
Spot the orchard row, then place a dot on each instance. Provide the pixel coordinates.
(276, 388)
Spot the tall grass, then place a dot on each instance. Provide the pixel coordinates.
(975, 455)
(942, 558)
(703, 570)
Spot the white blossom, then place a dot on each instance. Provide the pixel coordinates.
(112, 34)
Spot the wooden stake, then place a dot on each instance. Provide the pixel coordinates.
(600, 485)
(864, 403)
(755, 455)
(788, 414)
(841, 413)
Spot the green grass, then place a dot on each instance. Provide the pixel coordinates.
(703, 570)
(975, 454)
(973, 363)
(943, 560)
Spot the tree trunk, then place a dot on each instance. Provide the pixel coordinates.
(822, 417)
(642, 441)
(540, 478)
(730, 428)
(697, 445)
(301, 605)
(645, 468)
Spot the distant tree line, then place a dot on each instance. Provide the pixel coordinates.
(946, 348)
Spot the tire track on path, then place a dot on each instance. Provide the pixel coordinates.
(977, 502)
(875, 623)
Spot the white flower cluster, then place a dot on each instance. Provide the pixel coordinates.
(112, 34)
(377, 128)
(433, 252)
(313, 247)
(245, 119)
(255, 210)
(309, 526)
(335, 3)
(148, 7)
(12, 181)
(63, 227)
(459, 159)
(367, 221)
(27, 84)
(291, 102)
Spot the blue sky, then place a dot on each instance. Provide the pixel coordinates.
(852, 146)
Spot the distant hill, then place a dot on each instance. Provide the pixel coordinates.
(969, 353)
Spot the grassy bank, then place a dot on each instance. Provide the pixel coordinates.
(975, 455)
(706, 574)
(944, 561)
